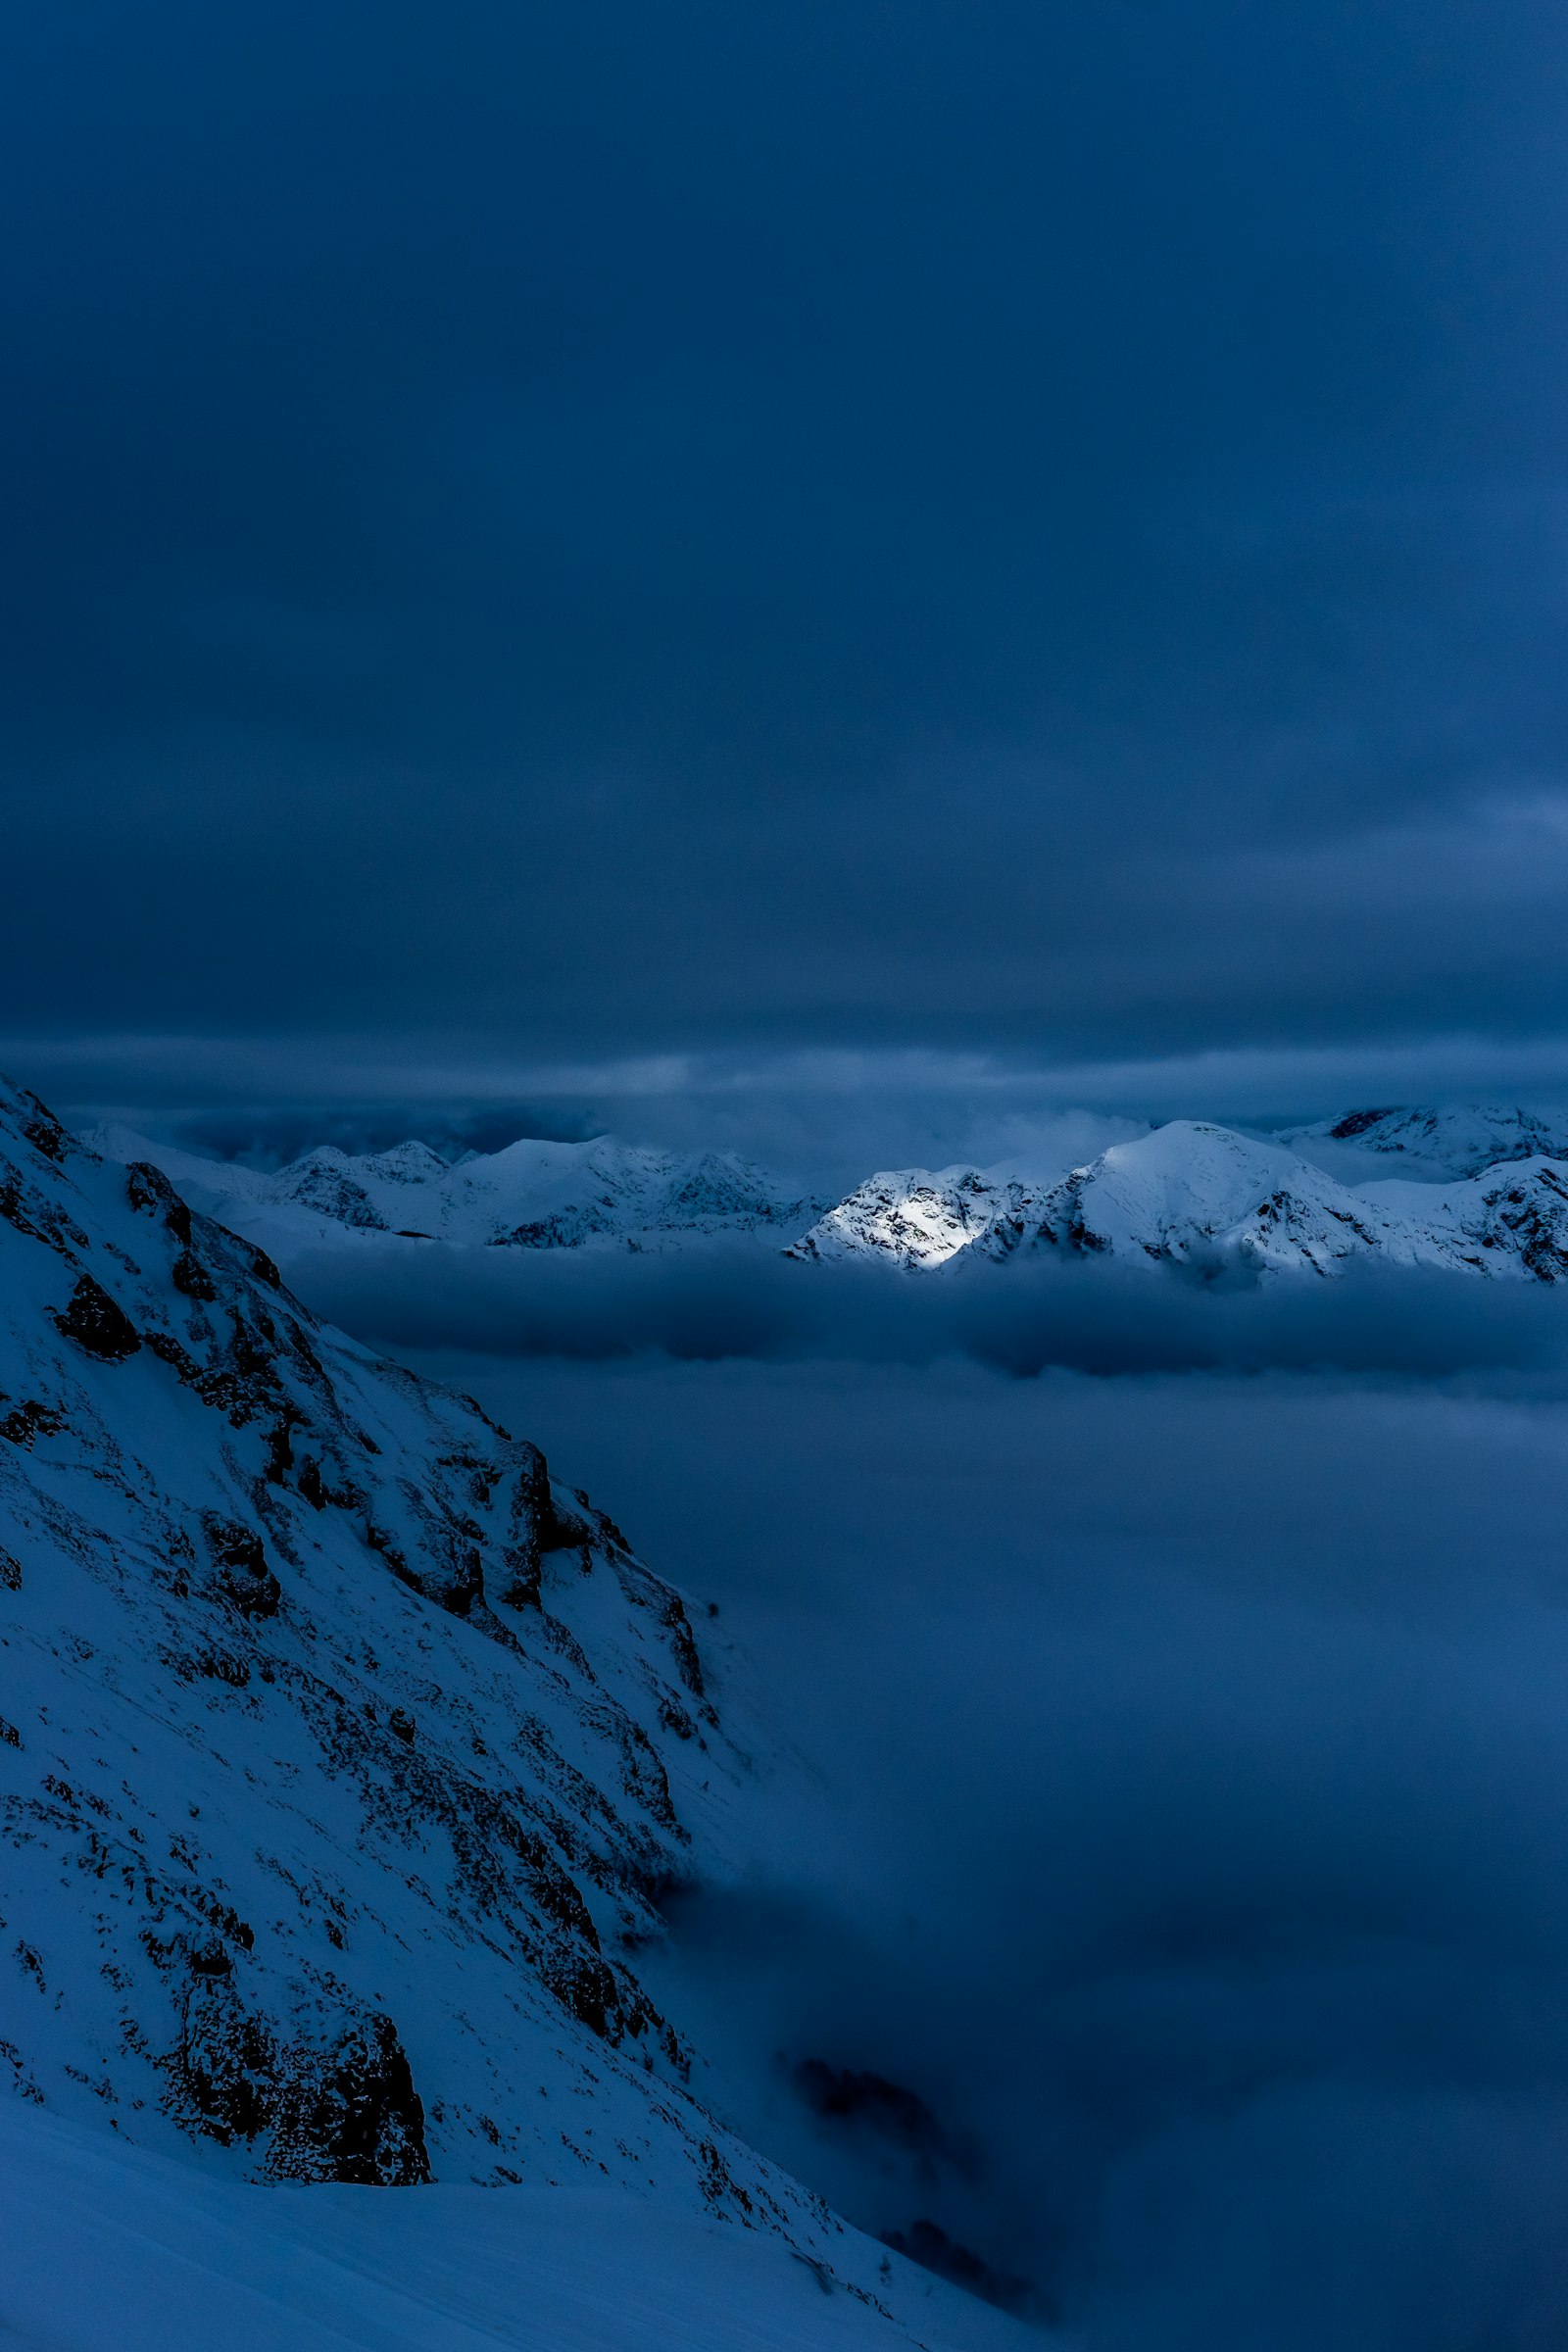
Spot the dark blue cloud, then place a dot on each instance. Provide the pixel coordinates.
(717, 1299)
(607, 525)
(1181, 1822)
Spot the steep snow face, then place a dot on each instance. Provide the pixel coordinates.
(344, 1753)
(536, 1196)
(914, 1218)
(1461, 1140)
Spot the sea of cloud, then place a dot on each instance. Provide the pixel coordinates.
(736, 1298)
(1159, 1832)
(1164, 1780)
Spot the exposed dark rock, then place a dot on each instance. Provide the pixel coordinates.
(29, 1420)
(1359, 1121)
(322, 1492)
(150, 1193)
(43, 1130)
(244, 1577)
(531, 1510)
(350, 2113)
(346, 2110)
(97, 1325)
(191, 1277)
(223, 2071)
(335, 1195)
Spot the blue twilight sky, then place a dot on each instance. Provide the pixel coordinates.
(542, 537)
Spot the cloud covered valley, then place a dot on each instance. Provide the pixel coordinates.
(1174, 1816)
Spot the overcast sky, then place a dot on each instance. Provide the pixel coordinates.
(559, 534)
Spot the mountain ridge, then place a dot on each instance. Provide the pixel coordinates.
(345, 1753)
(529, 1194)
(1452, 1139)
(1211, 1200)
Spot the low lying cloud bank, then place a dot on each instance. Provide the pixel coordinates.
(1154, 1888)
(1172, 1907)
(727, 1300)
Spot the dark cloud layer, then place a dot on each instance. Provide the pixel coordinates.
(1172, 1803)
(595, 526)
(718, 1300)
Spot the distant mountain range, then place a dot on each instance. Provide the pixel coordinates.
(1216, 1201)
(1464, 1139)
(531, 1196)
(1470, 1189)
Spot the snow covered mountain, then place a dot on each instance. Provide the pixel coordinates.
(345, 1754)
(1191, 1194)
(531, 1196)
(1463, 1139)
(1204, 1197)
(912, 1218)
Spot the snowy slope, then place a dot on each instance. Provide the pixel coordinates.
(530, 1195)
(344, 1754)
(1463, 1139)
(1205, 1196)
(1191, 1194)
(917, 1218)
(112, 2249)
(1511, 1220)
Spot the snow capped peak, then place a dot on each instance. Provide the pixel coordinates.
(1198, 1195)
(915, 1217)
(406, 1164)
(1195, 1194)
(1461, 1139)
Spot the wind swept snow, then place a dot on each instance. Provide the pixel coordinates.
(109, 2249)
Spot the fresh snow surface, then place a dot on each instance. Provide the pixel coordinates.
(532, 1195)
(1195, 1195)
(1198, 1195)
(917, 1218)
(1463, 1139)
(345, 1757)
(112, 2249)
